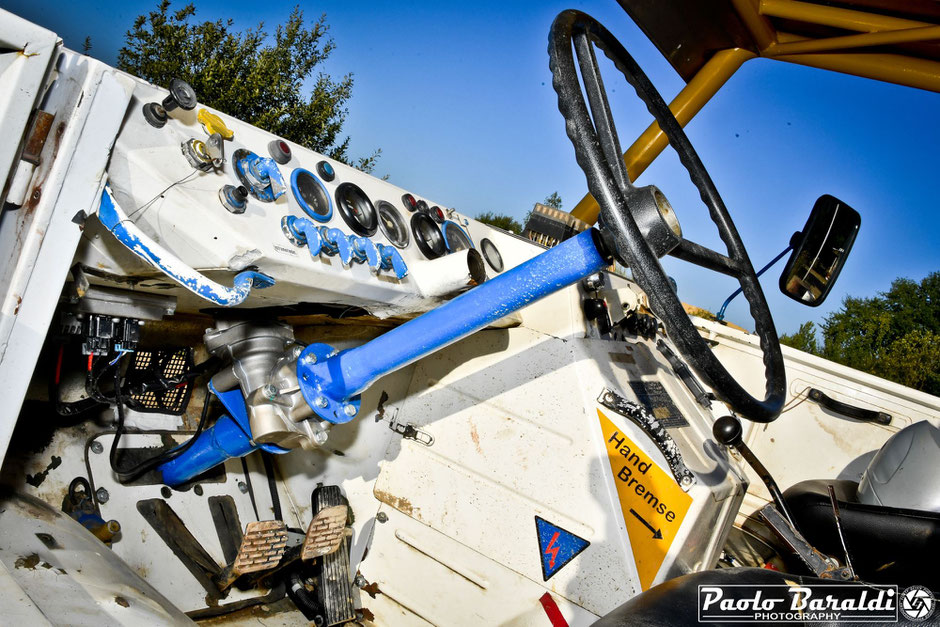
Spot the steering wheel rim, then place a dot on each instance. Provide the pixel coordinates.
(598, 153)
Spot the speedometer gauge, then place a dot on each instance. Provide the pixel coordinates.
(428, 236)
(455, 238)
(392, 225)
(311, 195)
(356, 209)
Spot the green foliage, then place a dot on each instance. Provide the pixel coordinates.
(500, 221)
(246, 75)
(895, 335)
(553, 201)
(804, 339)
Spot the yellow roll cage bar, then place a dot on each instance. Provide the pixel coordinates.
(873, 39)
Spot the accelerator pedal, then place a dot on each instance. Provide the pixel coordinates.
(327, 539)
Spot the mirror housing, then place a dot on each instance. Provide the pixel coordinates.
(820, 251)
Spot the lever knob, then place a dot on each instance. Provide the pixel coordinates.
(391, 259)
(727, 430)
(335, 242)
(364, 251)
(181, 95)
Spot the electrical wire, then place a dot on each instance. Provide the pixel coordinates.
(147, 204)
(130, 474)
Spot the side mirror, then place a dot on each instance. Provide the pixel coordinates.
(820, 251)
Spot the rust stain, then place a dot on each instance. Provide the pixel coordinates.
(30, 562)
(372, 589)
(19, 301)
(398, 502)
(367, 615)
(475, 436)
(121, 601)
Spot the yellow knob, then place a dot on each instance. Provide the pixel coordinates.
(214, 124)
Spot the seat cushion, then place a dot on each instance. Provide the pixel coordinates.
(886, 544)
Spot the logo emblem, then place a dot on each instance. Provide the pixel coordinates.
(917, 604)
(558, 547)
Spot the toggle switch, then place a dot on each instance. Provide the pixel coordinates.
(364, 251)
(335, 242)
(391, 259)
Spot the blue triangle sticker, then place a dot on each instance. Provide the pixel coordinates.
(557, 546)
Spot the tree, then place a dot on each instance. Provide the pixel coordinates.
(553, 201)
(86, 46)
(500, 221)
(895, 335)
(246, 75)
(804, 339)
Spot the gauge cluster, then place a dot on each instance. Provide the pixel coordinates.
(321, 231)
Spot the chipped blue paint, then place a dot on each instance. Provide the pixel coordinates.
(229, 437)
(391, 259)
(116, 221)
(342, 376)
(306, 233)
(264, 179)
(364, 251)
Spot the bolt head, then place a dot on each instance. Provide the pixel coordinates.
(349, 410)
(102, 495)
(321, 402)
(320, 437)
(270, 391)
(310, 359)
(96, 447)
(242, 487)
(381, 517)
(296, 350)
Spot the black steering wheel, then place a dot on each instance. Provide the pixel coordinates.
(639, 220)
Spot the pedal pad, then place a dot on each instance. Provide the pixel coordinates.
(335, 589)
(262, 547)
(325, 533)
(156, 376)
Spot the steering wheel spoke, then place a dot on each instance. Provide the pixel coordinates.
(687, 250)
(597, 149)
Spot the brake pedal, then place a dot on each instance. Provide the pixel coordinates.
(328, 529)
(262, 548)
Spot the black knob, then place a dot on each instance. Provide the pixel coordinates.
(182, 95)
(727, 430)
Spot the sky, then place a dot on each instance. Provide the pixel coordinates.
(459, 99)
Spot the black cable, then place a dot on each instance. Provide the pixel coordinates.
(127, 475)
(272, 485)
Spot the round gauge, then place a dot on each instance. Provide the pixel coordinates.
(356, 209)
(311, 195)
(455, 238)
(409, 201)
(491, 254)
(392, 224)
(437, 213)
(421, 206)
(428, 236)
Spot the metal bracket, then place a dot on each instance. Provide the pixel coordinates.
(638, 415)
(410, 432)
(823, 566)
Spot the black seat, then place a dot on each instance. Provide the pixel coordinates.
(886, 544)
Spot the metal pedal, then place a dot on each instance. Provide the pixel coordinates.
(335, 590)
(325, 533)
(261, 549)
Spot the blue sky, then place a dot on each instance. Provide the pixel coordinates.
(459, 99)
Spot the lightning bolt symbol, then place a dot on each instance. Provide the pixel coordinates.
(552, 550)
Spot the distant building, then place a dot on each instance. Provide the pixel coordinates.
(548, 227)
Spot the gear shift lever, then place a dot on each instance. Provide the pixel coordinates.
(727, 430)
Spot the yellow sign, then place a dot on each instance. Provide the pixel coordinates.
(653, 504)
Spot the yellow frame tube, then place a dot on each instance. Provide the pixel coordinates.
(890, 68)
(879, 38)
(836, 17)
(706, 82)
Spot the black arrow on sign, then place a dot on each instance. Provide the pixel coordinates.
(657, 534)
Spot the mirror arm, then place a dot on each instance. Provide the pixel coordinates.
(721, 312)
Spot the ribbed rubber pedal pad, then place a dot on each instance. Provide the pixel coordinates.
(335, 589)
